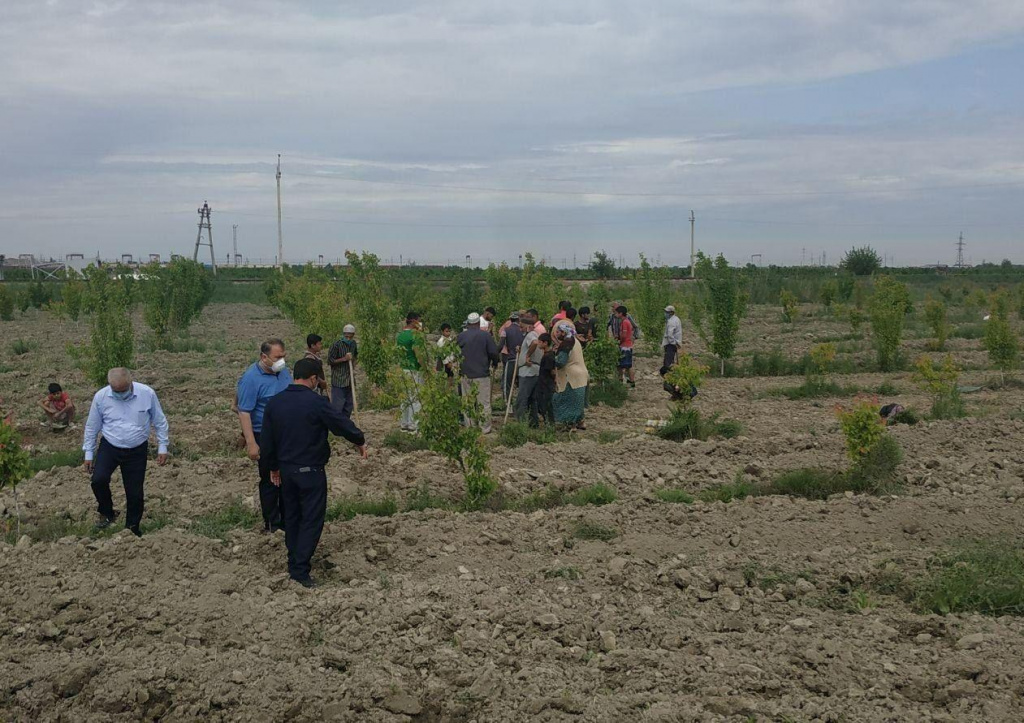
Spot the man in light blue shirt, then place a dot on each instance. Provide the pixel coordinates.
(121, 416)
(261, 381)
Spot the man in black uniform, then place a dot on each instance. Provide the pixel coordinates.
(294, 443)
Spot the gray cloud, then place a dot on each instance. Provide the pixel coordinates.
(140, 111)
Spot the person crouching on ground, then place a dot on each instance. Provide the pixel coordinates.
(58, 407)
(295, 445)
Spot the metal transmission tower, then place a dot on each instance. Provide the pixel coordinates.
(204, 222)
(693, 256)
(234, 241)
(960, 251)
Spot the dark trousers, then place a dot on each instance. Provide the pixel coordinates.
(670, 356)
(341, 399)
(270, 496)
(526, 402)
(305, 505)
(543, 395)
(132, 463)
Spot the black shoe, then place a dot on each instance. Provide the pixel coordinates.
(306, 582)
(105, 522)
(632, 385)
(136, 531)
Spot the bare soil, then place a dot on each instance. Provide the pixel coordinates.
(706, 611)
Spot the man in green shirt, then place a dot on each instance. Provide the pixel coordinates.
(410, 340)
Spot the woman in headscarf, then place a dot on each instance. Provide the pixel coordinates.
(571, 377)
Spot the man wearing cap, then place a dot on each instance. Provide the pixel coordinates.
(479, 354)
(296, 448)
(342, 359)
(672, 341)
(510, 338)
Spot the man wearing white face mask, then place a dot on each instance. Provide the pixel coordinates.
(121, 416)
(263, 380)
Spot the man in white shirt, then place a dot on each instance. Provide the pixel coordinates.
(672, 341)
(121, 416)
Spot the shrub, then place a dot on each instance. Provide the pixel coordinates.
(39, 294)
(686, 374)
(937, 317)
(875, 472)
(20, 346)
(984, 577)
(516, 434)
(862, 261)
(602, 360)
(1000, 340)
(73, 295)
(942, 383)
(728, 492)
(862, 427)
(722, 303)
(6, 304)
(828, 293)
(788, 301)
(889, 306)
(375, 314)
(810, 483)
(685, 422)
(14, 464)
(822, 356)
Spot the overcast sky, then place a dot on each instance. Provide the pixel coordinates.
(433, 130)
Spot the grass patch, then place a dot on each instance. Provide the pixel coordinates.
(63, 458)
(687, 423)
(54, 527)
(887, 388)
(586, 530)
(728, 492)
(1017, 414)
(612, 394)
(516, 434)
(596, 494)
(812, 390)
(20, 347)
(421, 499)
(607, 436)
(543, 500)
(673, 494)
(983, 577)
(968, 331)
(346, 509)
(218, 524)
(907, 416)
(404, 442)
(565, 573)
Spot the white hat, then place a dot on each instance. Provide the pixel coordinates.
(670, 308)
(349, 329)
(484, 324)
(473, 318)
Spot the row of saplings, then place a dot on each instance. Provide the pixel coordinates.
(874, 454)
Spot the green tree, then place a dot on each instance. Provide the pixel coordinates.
(788, 301)
(39, 294)
(6, 304)
(888, 309)
(537, 287)
(1000, 340)
(501, 289)
(721, 304)
(73, 295)
(937, 317)
(462, 297)
(13, 464)
(651, 293)
(862, 261)
(174, 295)
(376, 316)
(603, 266)
(828, 294)
(112, 333)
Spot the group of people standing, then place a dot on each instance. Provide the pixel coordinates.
(285, 416)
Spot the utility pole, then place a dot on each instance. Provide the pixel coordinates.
(234, 241)
(204, 222)
(280, 241)
(960, 251)
(693, 249)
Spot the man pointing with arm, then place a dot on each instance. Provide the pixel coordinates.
(121, 416)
